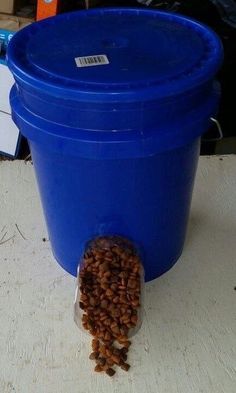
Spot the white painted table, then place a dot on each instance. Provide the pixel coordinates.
(188, 340)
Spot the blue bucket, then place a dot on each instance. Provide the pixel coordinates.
(113, 103)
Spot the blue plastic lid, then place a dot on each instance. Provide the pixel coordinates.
(115, 55)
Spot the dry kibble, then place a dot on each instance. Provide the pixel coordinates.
(93, 301)
(124, 357)
(115, 330)
(101, 361)
(122, 339)
(94, 355)
(110, 290)
(102, 350)
(108, 352)
(127, 344)
(107, 336)
(107, 322)
(81, 304)
(116, 352)
(115, 359)
(124, 350)
(110, 362)
(98, 368)
(116, 299)
(110, 372)
(125, 366)
(104, 267)
(114, 287)
(131, 284)
(104, 303)
(134, 319)
(107, 274)
(103, 317)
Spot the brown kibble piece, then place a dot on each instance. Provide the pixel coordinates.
(104, 286)
(125, 366)
(116, 352)
(114, 287)
(123, 275)
(84, 318)
(135, 303)
(134, 319)
(109, 292)
(102, 350)
(124, 357)
(123, 299)
(131, 284)
(116, 359)
(107, 336)
(126, 319)
(124, 331)
(82, 306)
(83, 298)
(98, 368)
(93, 301)
(94, 355)
(107, 322)
(101, 361)
(122, 339)
(116, 313)
(115, 330)
(107, 274)
(108, 352)
(104, 303)
(110, 371)
(110, 362)
(104, 267)
(116, 299)
(127, 344)
(124, 350)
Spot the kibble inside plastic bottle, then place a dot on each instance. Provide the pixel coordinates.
(109, 296)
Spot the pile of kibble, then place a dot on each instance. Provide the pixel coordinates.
(110, 279)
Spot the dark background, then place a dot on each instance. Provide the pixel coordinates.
(205, 11)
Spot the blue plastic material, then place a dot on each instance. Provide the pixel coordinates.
(115, 146)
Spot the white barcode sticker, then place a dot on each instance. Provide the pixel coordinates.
(88, 61)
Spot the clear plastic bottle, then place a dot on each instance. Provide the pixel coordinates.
(109, 294)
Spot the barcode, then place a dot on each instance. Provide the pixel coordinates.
(87, 61)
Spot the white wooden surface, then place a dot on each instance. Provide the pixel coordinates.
(188, 340)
